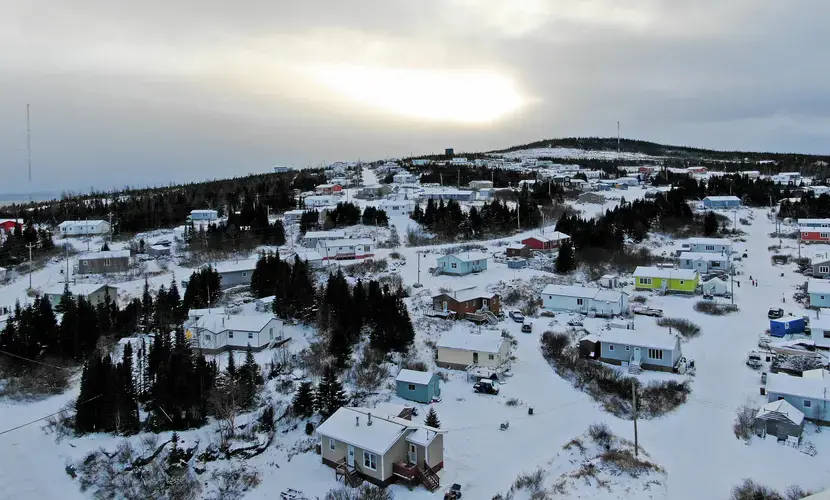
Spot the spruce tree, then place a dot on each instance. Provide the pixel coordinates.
(330, 394)
(146, 307)
(231, 368)
(303, 403)
(565, 260)
(710, 224)
(250, 379)
(432, 419)
(128, 404)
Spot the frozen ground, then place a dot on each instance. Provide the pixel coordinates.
(695, 444)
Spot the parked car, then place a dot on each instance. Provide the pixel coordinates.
(486, 386)
(575, 322)
(753, 359)
(775, 313)
(527, 325)
(648, 311)
(517, 316)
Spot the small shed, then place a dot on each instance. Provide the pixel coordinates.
(715, 286)
(784, 326)
(265, 304)
(779, 419)
(516, 262)
(517, 250)
(609, 281)
(419, 386)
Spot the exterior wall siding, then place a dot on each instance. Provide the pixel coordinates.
(674, 285)
(436, 452)
(461, 268)
(235, 278)
(100, 266)
(819, 300)
(702, 248)
(462, 308)
(818, 409)
(421, 393)
(458, 359)
(619, 354)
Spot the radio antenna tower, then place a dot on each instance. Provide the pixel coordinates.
(29, 149)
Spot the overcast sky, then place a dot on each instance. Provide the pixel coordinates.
(151, 92)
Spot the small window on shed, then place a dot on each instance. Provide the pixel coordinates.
(610, 347)
(807, 403)
(411, 387)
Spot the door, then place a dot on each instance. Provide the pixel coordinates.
(636, 354)
(475, 358)
(350, 456)
(413, 454)
(485, 304)
(444, 305)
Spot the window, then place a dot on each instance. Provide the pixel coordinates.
(824, 269)
(610, 347)
(491, 356)
(579, 302)
(716, 264)
(370, 460)
(106, 262)
(411, 387)
(822, 297)
(710, 247)
(780, 398)
(331, 444)
(244, 274)
(681, 282)
(655, 353)
(645, 281)
(250, 335)
(807, 403)
(824, 235)
(207, 338)
(628, 348)
(454, 265)
(230, 334)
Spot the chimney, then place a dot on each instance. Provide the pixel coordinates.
(357, 421)
(369, 422)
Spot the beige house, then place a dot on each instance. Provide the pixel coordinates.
(365, 444)
(461, 351)
(94, 294)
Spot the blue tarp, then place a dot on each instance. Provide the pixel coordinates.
(786, 326)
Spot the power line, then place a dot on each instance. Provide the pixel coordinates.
(47, 416)
(34, 361)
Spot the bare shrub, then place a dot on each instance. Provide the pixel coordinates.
(714, 308)
(682, 325)
(750, 490)
(416, 365)
(33, 382)
(395, 255)
(512, 402)
(745, 421)
(368, 266)
(369, 371)
(233, 482)
(639, 299)
(625, 461)
(63, 423)
(364, 492)
(531, 482)
(601, 434)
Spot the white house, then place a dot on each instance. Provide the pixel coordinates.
(708, 245)
(480, 184)
(83, 227)
(602, 302)
(292, 216)
(459, 160)
(312, 238)
(704, 261)
(348, 248)
(460, 350)
(397, 207)
(809, 393)
(204, 215)
(214, 333)
(319, 201)
(650, 350)
(404, 178)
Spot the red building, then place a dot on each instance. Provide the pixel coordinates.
(8, 225)
(815, 234)
(546, 243)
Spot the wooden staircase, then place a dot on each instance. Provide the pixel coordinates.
(428, 477)
(351, 476)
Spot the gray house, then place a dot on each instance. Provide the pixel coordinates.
(236, 273)
(820, 265)
(94, 294)
(780, 419)
(116, 261)
(591, 197)
(709, 245)
(159, 250)
(807, 393)
(704, 262)
(647, 350)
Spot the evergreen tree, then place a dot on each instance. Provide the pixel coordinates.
(146, 307)
(565, 262)
(303, 403)
(330, 394)
(250, 380)
(231, 368)
(432, 419)
(710, 224)
(127, 404)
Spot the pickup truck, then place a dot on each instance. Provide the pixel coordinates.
(648, 311)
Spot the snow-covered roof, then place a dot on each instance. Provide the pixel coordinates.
(469, 256)
(468, 294)
(297, 211)
(334, 235)
(813, 221)
(665, 273)
(203, 211)
(309, 255)
(111, 254)
(807, 386)
(722, 198)
(230, 266)
(346, 242)
(554, 236)
(784, 408)
(709, 241)
(193, 313)
(414, 377)
(570, 291)
(818, 286)
(89, 223)
(389, 409)
(422, 436)
(267, 299)
(516, 246)
(604, 295)
(220, 322)
(489, 342)
(707, 256)
(821, 323)
(349, 425)
(82, 289)
(639, 338)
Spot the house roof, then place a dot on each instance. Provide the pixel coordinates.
(422, 436)
(516, 246)
(414, 377)
(349, 425)
(784, 408)
(571, 291)
(665, 273)
(82, 289)
(709, 241)
(813, 221)
(818, 286)
(722, 198)
(468, 256)
(554, 236)
(203, 211)
(230, 266)
(220, 322)
(639, 338)
(489, 342)
(389, 409)
(707, 256)
(608, 295)
(810, 385)
(821, 323)
(308, 255)
(81, 223)
(112, 254)
(346, 242)
(468, 294)
(337, 234)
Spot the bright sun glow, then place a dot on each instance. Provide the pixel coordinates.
(458, 96)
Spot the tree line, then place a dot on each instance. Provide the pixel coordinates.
(292, 285)
(14, 248)
(344, 214)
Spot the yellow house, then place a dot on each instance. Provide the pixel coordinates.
(666, 279)
(460, 351)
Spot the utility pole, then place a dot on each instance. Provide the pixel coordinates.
(30, 246)
(67, 262)
(110, 216)
(634, 401)
(732, 282)
(418, 254)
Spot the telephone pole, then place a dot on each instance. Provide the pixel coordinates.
(110, 231)
(634, 400)
(30, 246)
(67, 263)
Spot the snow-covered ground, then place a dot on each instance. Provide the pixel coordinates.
(694, 444)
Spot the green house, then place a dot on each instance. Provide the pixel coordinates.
(666, 279)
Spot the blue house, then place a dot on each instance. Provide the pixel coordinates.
(721, 202)
(462, 264)
(819, 293)
(784, 326)
(417, 386)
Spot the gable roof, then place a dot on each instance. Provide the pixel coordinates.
(554, 236)
(220, 322)
(818, 286)
(83, 289)
(466, 256)
(346, 242)
(707, 256)
(722, 198)
(810, 385)
(414, 377)
(709, 241)
(665, 273)
(639, 338)
(88, 223)
(112, 254)
(349, 425)
(335, 234)
(466, 294)
(784, 408)
(232, 266)
(489, 342)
